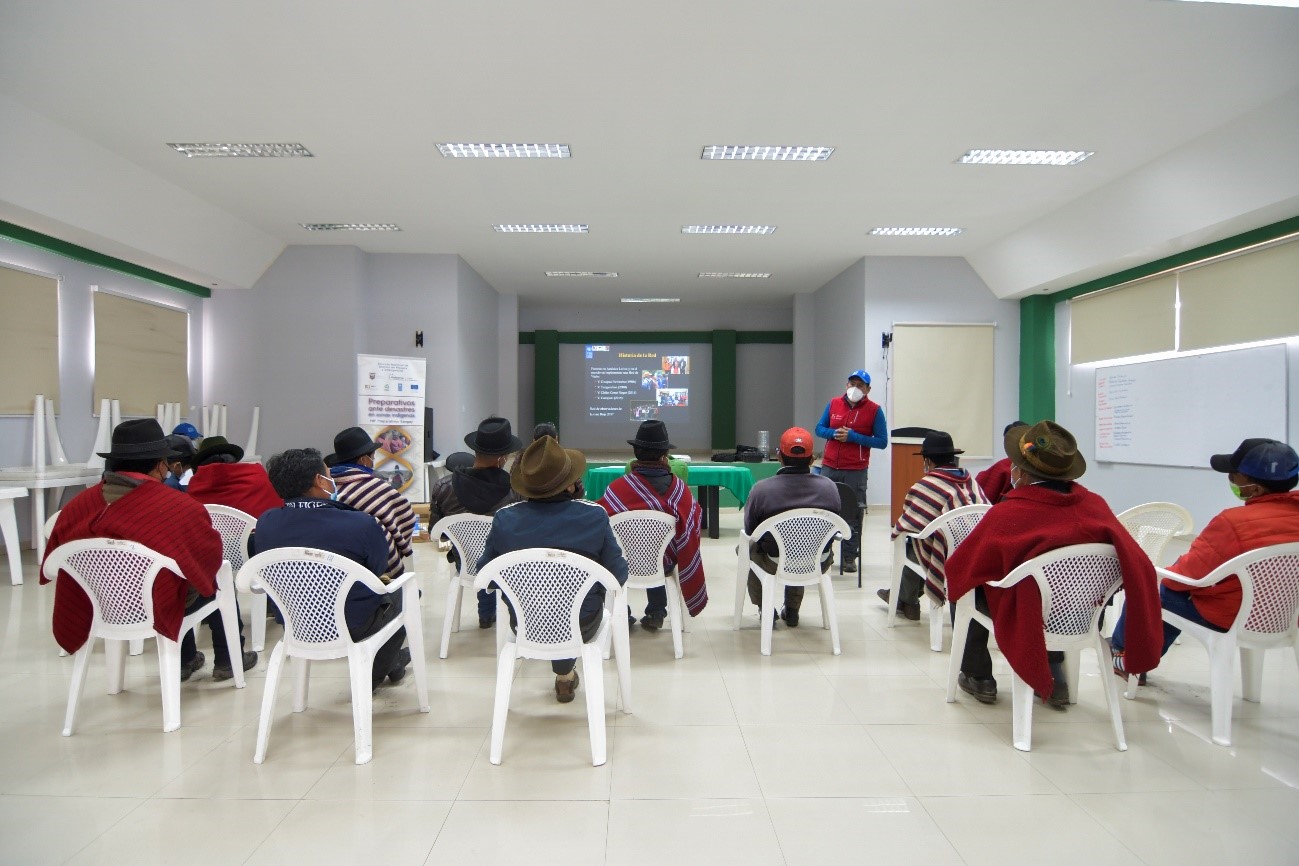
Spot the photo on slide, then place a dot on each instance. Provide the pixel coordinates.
(637, 383)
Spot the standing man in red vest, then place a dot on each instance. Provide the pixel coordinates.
(852, 425)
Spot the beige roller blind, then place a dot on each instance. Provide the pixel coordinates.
(1254, 296)
(29, 340)
(942, 379)
(1136, 319)
(141, 354)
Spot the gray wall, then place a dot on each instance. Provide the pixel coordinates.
(652, 317)
(829, 342)
(1201, 491)
(76, 421)
(764, 379)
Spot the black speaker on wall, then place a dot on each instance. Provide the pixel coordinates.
(429, 454)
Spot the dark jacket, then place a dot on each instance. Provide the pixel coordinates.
(334, 527)
(471, 491)
(791, 487)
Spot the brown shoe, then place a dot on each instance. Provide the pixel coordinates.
(565, 690)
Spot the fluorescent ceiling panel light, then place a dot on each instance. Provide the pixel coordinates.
(579, 228)
(1292, 4)
(651, 300)
(245, 150)
(1023, 157)
(727, 275)
(914, 231)
(607, 274)
(727, 230)
(504, 151)
(350, 227)
(801, 153)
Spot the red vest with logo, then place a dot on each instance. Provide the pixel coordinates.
(859, 419)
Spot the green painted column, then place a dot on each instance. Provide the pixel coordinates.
(546, 376)
(724, 389)
(1037, 358)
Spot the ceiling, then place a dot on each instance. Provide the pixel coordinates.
(899, 89)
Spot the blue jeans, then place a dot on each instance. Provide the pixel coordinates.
(656, 601)
(1171, 600)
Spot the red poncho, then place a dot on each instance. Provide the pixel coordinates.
(163, 520)
(1031, 521)
(237, 485)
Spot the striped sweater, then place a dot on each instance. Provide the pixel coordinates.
(363, 490)
(940, 490)
(631, 492)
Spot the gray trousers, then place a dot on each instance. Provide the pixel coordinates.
(856, 479)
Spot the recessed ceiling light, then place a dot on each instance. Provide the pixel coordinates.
(350, 227)
(801, 153)
(727, 230)
(609, 274)
(651, 300)
(504, 151)
(724, 275)
(1023, 157)
(579, 228)
(227, 149)
(914, 231)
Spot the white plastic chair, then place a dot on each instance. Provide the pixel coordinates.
(117, 577)
(955, 526)
(644, 536)
(1154, 524)
(1269, 605)
(1074, 582)
(235, 528)
(468, 534)
(9, 529)
(546, 588)
(310, 588)
(801, 535)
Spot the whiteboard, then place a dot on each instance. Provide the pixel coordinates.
(1179, 411)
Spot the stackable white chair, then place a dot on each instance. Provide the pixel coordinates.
(117, 577)
(644, 537)
(546, 588)
(1074, 582)
(954, 526)
(801, 535)
(310, 588)
(468, 534)
(1154, 524)
(9, 529)
(1269, 605)
(235, 528)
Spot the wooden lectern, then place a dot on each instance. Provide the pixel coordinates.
(907, 468)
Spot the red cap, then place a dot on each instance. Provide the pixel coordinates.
(796, 442)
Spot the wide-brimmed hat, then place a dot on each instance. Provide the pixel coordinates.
(1264, 459)
(138, 439)
(182, 447)
(939, 444)
(1046, 450)
(652, 436)
(213, 447)
(494, 438)
(545, 468)
(353, 443)
(459, 461)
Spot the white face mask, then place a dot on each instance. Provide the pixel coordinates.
(854, 395)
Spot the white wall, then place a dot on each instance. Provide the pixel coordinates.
(1201, 491)
(77, 352)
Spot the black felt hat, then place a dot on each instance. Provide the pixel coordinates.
(213, 447)
(652, 436)
(494, 438)
(139, 439)
(353, 443)
(939, 444)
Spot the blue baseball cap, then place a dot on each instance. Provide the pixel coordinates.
(1264, 459)
(187, 429)
(860, 374)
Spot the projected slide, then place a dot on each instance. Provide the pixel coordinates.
(637, 383)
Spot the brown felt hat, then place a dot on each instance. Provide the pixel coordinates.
(1046, 450)
(545, 468)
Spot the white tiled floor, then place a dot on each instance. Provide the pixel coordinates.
(730, 757)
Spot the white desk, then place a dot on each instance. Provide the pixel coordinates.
(51, 479)
(9, 528)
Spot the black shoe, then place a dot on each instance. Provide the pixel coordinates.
(399, 668)
(195, 664)
(850, 566)
(220, 673)
(790, 617)
(984, 689)
(486, 622)
(652, 622)
(1059, 699)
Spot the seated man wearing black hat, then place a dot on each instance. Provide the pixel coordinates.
(944, 487)
(220, 479)
(358, 486)
(651, 485)
(1046, 510)
(481, 488)
(1263, 473)
(548, 476)
(132, 504)
(312, 517)
(180, 463)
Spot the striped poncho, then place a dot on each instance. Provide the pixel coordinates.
(365, 491)
(632, 492)
(940, 490)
